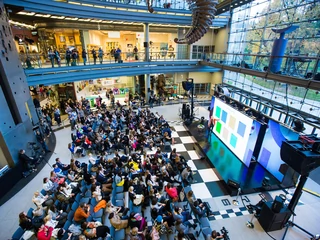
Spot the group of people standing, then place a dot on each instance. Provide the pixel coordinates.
(72, 56)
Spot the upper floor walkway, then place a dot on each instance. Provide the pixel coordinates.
(49, 76)
(177, 14)
(302, 71)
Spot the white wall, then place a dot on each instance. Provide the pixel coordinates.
(221, 39)
(201, 77)
(207, 39)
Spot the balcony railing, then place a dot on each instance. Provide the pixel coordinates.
(302, 66)
(36, 60)
(166, 4)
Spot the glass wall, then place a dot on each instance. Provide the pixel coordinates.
(251, 33)
(302, 99)
(251, 27)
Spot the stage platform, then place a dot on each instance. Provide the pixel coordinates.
(228, 166)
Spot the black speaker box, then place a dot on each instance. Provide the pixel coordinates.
(145, 44)
(277, 204)
(271, 221)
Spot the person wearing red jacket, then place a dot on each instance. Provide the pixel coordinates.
(172, 191)
(44, 233)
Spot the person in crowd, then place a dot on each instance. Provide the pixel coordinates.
(42, 201)
(49, 186)
(172, 192)
(82, 213)
(44, 233)
(74, 56)
(117, 222)
(68, 57)
(100, 55)
(84, 56)
(42, 141)
(57, 57)
(57, 215)
(58, 171)
(51, 56)
(28, 163)
(25, 222)
(117, 55)
(135, 53)
(57, 117)
(63, 167)
(186, 175)
(184, 216)
(215, 235)
(202, 205)
(92, 230)
(94, 56)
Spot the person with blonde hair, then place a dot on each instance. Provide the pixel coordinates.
(42, 201)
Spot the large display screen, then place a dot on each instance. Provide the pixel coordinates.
(269, 156)
(211, 106)
(233, 128)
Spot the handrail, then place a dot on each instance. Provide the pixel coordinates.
(37, 60)
(298, 66)
(49, 76)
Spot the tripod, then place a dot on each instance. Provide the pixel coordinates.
(293, 203)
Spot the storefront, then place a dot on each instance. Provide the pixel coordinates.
(161, 44)
(120, 87)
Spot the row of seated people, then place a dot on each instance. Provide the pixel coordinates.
(147, 186)
(110, 138)
(99, 178)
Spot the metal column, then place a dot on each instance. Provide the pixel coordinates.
(146, 42)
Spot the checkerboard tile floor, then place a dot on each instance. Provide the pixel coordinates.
(207, 183)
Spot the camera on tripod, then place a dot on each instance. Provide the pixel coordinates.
(225, 232)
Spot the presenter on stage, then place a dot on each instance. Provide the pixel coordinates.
(212, 121)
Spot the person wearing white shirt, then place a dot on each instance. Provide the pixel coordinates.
(49, 186)
(42, 201)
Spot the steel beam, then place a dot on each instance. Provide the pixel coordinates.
(309, 84)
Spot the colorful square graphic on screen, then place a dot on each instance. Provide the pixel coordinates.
(232, 122)
(224, 116)
(218, 127)
(241, 129)
(225, 134)
(233, 140)
(218, 112)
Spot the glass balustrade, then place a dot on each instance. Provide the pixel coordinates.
(166, 4)
(35, 60)
(307, 67)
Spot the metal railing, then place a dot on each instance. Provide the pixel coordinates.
(306, 67)
(300, 66)
(36, 60)
(166, 4)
